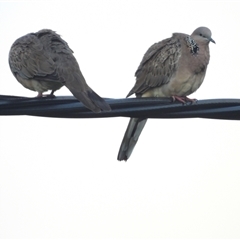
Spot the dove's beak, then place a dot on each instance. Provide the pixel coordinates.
(211, 40)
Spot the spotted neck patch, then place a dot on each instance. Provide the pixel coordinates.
(192, 45)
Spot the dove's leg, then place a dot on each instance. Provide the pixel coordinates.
(51, 95)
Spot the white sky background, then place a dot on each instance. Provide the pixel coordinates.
(61, 177)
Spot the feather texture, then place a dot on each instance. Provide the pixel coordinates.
(43, 61)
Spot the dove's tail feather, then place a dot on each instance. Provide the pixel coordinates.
(98, 101)
(130, 138)
(89, 98)
(75, 82)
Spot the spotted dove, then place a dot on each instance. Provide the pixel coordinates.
(174, 67)
(43, 61)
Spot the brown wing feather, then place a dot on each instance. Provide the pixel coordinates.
(29, 60)
(70, 74)
(157, 66)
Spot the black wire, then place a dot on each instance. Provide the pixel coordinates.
(70, 107)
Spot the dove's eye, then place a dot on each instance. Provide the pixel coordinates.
(201, 35)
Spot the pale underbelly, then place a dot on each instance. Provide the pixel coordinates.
(40, 86)
(176, 88)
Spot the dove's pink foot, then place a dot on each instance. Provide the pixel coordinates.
(51, 95)
(39, 95)
(183, 99)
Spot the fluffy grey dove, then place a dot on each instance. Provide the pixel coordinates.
(43, 61)
(174, 67)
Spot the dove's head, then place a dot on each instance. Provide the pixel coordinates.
(202, 34)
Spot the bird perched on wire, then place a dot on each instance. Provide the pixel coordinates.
(174, 67)
(43, 61)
